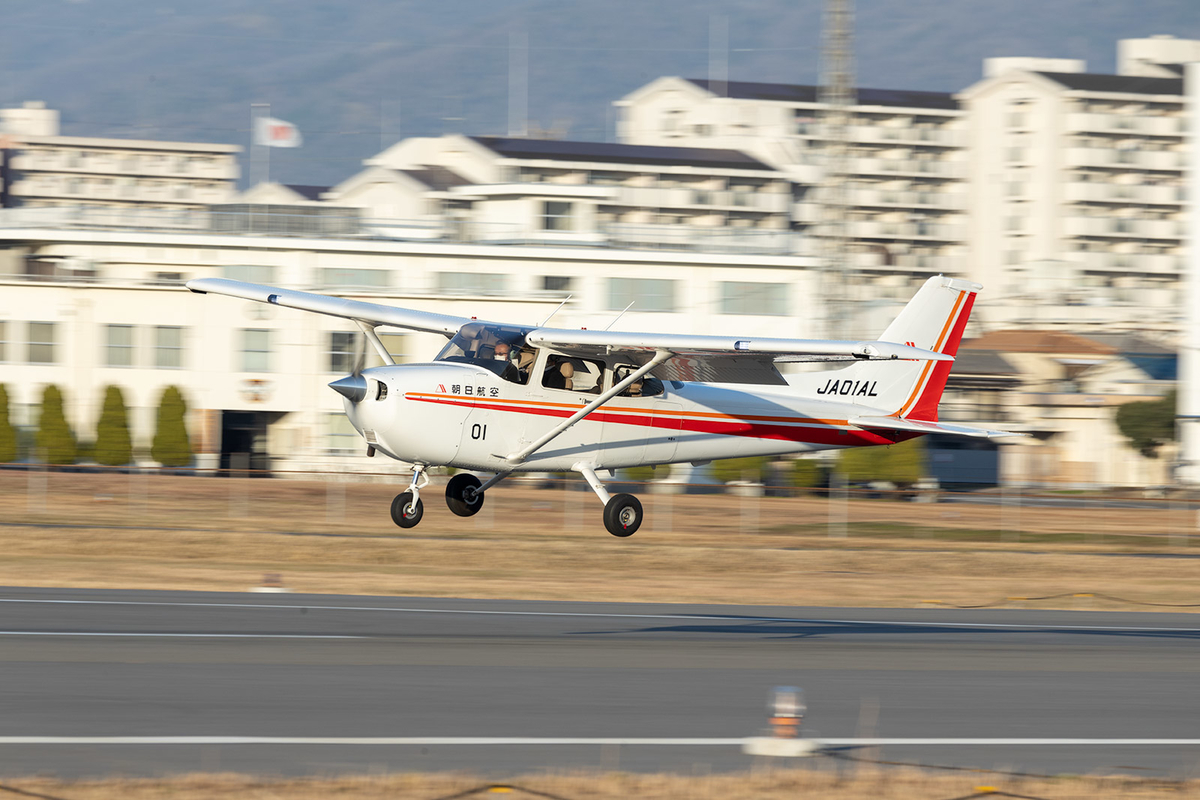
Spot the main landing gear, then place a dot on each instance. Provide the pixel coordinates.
(622, 512)
(464, 496)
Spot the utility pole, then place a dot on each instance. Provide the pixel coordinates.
(837, 97)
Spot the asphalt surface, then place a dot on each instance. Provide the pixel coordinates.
(167, 664)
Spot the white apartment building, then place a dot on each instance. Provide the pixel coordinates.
(906, 166)
(493, 189)
(1077, 189)
(107, 181)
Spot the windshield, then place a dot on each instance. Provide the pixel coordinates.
(500, 349)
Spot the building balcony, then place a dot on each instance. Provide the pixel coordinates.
(892, 167)
(1123, 228)
(908, 135)
(1125, 195)
(1125, 124)
(949, 201)
(1125, 263)
(693, 199)
(948, 232)
(62, 162)
(909, 262)
(1165, 160)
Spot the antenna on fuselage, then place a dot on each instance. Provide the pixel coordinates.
(626, 308)
(555, 311)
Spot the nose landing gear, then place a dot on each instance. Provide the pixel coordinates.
(407, 508)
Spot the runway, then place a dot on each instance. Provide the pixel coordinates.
(146, 683)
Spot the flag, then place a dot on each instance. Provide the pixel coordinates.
(273, 132)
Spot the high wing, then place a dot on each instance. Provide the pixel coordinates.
(371, 313)
(712, 359)
(721, 359)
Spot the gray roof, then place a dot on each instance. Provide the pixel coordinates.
(308, 192)
(793, 93)
(1127, 344)
(981, 362)
(439, 179)
(1123, 84)
(620, 153)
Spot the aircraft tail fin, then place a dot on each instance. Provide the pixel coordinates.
(934, 320)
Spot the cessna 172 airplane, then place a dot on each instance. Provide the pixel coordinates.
(503, 398)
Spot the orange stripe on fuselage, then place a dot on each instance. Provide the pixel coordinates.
(499, 405)
(795, 429)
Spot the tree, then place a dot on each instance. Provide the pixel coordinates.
(8, 434)
(55, 441)
(113, 447)
(806, 473)
(739, 469)
(902, 463)
(1149, 424)
(171, 446)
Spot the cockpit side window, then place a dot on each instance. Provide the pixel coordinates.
(573, 374)
(498, 349)
(646, 386)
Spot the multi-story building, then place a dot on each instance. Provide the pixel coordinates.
(107, 181)
(905, 171)
(579, 193)
(1077, 188)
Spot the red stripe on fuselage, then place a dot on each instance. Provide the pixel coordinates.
(803, 430)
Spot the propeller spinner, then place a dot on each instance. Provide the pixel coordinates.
(354, 386)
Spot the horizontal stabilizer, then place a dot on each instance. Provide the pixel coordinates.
(920, 426)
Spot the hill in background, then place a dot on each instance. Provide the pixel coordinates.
(359, 76)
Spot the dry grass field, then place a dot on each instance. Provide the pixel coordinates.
(168, 532)
(769, 785)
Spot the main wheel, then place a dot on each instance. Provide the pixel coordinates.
(623, 515)
(405, 512)
(462, 496)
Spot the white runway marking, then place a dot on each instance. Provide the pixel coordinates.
(186, 635)
(541, 741)
(732, 618)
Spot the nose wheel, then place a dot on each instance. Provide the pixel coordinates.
(407, 508)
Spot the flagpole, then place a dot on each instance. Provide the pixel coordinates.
(260, 154)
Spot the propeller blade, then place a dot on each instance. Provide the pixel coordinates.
(360, 354)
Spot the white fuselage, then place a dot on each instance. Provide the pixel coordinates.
(464, 416)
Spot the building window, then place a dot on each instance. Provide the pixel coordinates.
(118, 346)
(396, 345)
(168, 347)
(341, 351)
(481, 283)
(646, 294)
(341, 438)
(41, 342)
(556, 283)
(256, 350)
(3, 341)
(333, 277)
(557, 215)
(1016, 154)
(742, 297)
(252, 273)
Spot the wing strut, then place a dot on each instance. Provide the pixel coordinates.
(518, 457)
(373, 337)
